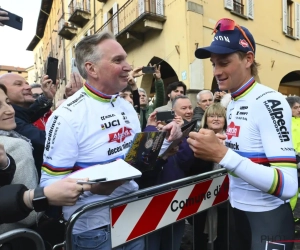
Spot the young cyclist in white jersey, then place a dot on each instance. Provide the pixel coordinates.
(259, 154)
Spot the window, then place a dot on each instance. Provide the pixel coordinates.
(291, 18)
(241, 7)
(238, 6)
(109, 15)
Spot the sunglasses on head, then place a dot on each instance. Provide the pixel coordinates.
(226, 24)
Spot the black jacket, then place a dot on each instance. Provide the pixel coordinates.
(12, 207)
(198, 113)
(24, 119)
(7, 175)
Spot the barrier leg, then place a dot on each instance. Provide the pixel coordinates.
(23, 232)
(210, 244)
(59, 245)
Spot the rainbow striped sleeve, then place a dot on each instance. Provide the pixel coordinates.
(278, 179)
(56, 171)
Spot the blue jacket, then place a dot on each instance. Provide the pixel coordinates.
(24, 119)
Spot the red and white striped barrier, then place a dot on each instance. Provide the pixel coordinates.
(137, 218)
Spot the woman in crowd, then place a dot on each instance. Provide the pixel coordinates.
(18, 173)
(214, 119)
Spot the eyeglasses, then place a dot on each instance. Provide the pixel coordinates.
(226, 24)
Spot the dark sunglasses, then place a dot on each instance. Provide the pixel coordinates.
(226, 24)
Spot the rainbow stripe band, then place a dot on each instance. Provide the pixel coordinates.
(278, 183)
(244, 90)
(97, 95)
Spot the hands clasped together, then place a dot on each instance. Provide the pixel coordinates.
(207, 145)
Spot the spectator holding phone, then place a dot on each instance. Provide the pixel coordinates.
(18, 169)
(147, 109)
(218, 95)
(131, 93)
(36, 92)
(28, 110)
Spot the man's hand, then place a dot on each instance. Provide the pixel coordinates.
(74, 84)
(3, 17)
(157, 74)
(217, 96)
(206, 145)
(172, 152)
(173, 131)
(106, 188)
(137, 72)
(65, 192)
(132, 82)
(3, 157)
(152, 120)
(178, 119)
(49, 89)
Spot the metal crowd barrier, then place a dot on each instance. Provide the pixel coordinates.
(211, 189)
(23, 232)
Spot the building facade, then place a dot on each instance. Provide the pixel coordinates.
(4, 69)
(167, 32)
(31, 77)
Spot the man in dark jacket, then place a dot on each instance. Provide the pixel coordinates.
(145, 108)
(28, 110)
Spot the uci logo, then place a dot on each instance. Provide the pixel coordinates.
(110, 124)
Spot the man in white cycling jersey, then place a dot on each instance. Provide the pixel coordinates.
(259, 154)
(92, 127)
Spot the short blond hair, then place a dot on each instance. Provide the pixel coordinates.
(214, 109)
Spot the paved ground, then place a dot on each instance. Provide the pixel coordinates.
(187, 239)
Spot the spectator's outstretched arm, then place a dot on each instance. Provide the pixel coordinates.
(159, 88)
(137, 72)
(44, 102)
(74, 84)
(16, 199)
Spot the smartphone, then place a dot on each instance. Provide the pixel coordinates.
(74, 67)
(14, 20)
(52, 65)
(148, 70)
(165, 116)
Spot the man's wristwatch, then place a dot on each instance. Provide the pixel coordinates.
(40, 201)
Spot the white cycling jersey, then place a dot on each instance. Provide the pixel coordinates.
(89, 128)
(261, 158)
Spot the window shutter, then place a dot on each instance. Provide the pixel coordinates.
(228, 4)
(115, 19)
(105, 17)
(297, 20)
(141, 7)
(63, 69)
(250, 9)
(160, 7)
(70, 57)
(284, 16)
